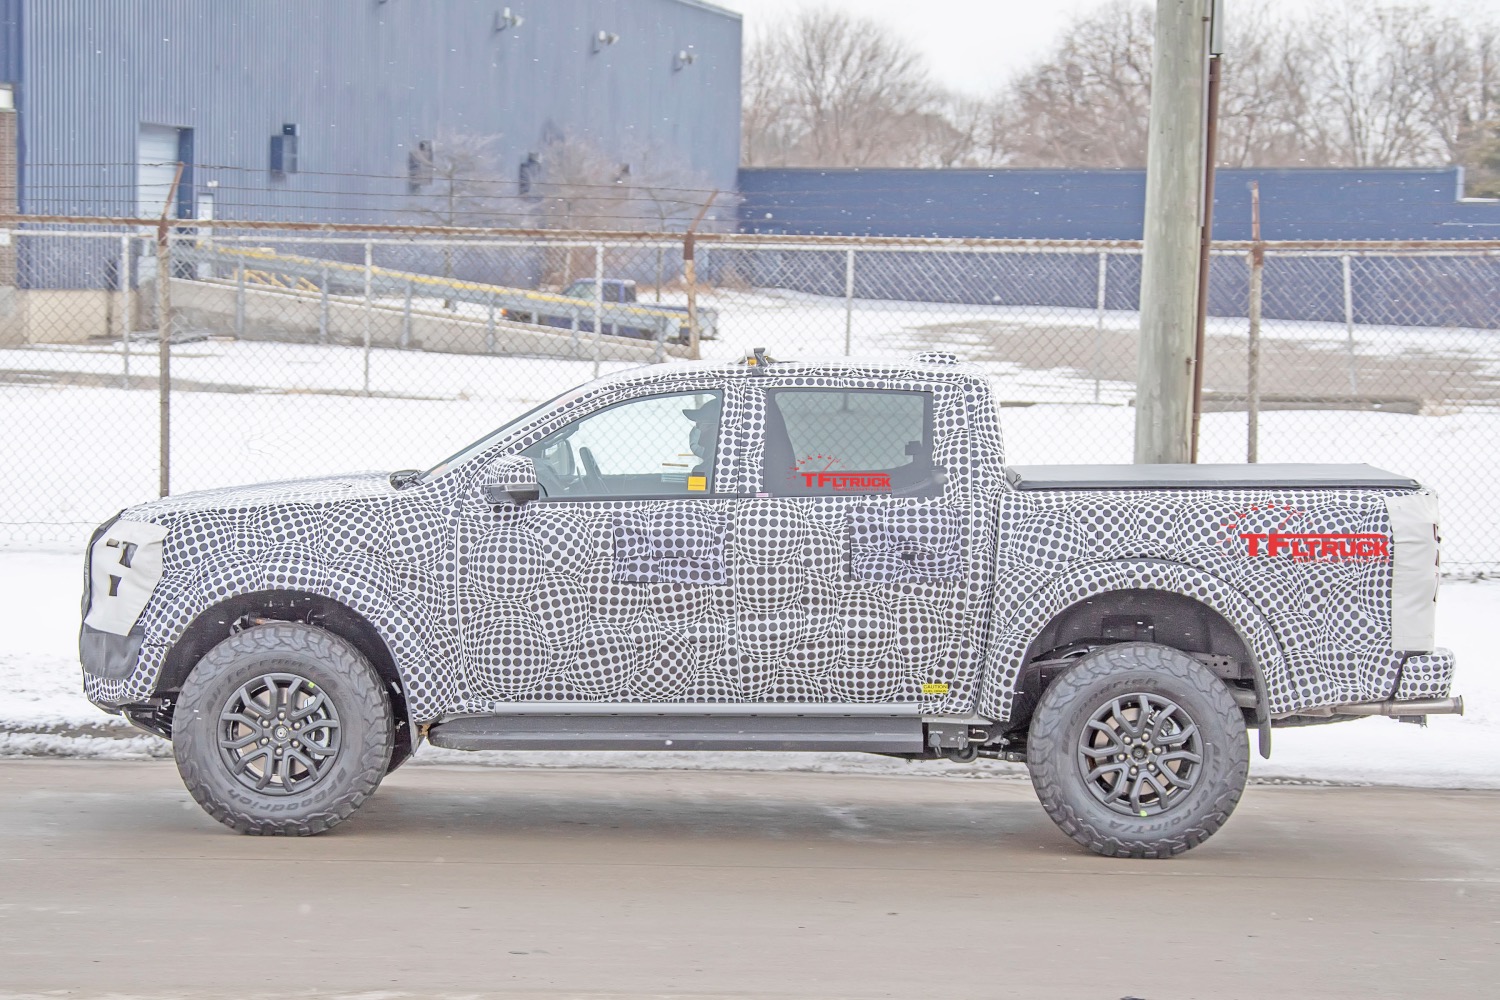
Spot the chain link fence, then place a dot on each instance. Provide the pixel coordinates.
(302, 351)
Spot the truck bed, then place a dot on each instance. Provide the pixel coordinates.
(1198, 477)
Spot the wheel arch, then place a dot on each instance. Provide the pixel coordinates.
(221, 620)
(1184, 595)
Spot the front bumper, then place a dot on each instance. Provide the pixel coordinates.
(109, 656)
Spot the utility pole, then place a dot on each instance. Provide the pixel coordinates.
(1174, 199)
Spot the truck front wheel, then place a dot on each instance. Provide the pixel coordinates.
(1138, 751)
(282, 729)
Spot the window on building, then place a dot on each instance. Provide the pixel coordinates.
(830, 442)
(650, 447)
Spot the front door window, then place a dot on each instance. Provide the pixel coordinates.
(656, 446)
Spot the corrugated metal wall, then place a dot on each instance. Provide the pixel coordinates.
(363, 80)
(1309, 204)
(10, 41)
(1299, 204)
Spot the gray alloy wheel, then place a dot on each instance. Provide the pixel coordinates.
(282, 729)
(1138, 751)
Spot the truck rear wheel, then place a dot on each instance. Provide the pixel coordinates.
(1138, 751)
(282, 729)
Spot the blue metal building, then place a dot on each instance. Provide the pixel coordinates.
(285, 104)
(1296, 204)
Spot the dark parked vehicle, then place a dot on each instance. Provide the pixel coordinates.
(813, 556)
(621, 315)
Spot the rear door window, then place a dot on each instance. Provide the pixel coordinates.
(864, 442)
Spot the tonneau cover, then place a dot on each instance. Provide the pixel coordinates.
(1196, 477)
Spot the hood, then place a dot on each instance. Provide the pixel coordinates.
(322, 490)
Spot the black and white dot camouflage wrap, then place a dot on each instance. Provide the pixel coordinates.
(734, 597)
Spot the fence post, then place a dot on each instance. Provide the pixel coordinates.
(1349, 325)
(164, 357)
(369, 306)
(323, 307)
(1099, 321)
(598, 304)
(849, 302)
(406, 318)
(690, 277)
(126, 323)
(239, 301)
(489, 332)
(1252, 374)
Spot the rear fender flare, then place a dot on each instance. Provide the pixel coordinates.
(1010, 638)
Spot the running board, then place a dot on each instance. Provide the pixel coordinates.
(861, 733)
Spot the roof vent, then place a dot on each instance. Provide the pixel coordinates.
(937, 358)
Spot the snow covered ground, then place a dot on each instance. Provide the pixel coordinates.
(43, 711)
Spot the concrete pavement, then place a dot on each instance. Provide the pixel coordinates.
(537, 883)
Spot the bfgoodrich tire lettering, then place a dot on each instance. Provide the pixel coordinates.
(339, 699)
(1181, 760)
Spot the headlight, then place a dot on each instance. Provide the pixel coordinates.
(124, 568)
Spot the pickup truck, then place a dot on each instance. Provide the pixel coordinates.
(621, 316)
(766, 555)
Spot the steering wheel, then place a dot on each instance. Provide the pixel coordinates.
(592, 479)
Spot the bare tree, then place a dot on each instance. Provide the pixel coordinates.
(1367, 101)
(1088, 103)
(455, 180)
(832, 89)
(1482, 160)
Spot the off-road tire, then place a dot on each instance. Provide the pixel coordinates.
(1061, 720)
(337, 670)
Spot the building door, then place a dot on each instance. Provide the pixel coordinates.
(158, 150)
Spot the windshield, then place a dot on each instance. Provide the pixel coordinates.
(453, 461)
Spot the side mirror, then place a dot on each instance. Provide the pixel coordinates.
(510, 481)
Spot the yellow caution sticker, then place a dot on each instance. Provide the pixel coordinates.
(697, 484)
(934, 689)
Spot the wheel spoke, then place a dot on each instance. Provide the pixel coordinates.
(314, 704)
(239, 743)
(1176, 782)
(284, 771)
(1179, 736)
(313, 770)
(1185, 756)
(1087, 745)
(242, 719)
(1118, 767)
(1116, 790)
(248, 704)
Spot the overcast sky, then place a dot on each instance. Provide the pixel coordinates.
(975, 45)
